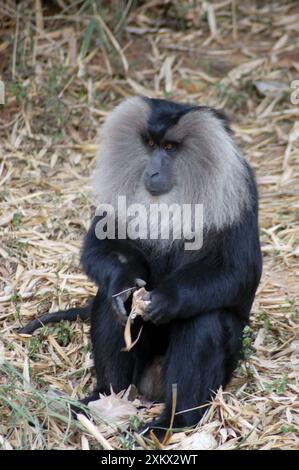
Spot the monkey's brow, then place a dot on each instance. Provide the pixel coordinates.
(145, 136)
(171, 136)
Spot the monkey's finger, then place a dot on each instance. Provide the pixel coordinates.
(147, 296)
(155, 319)
(148, 314)
(140, 282)
(154, 315)
(120, 306)
(120, 309)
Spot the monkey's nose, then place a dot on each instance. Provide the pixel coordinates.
(151, 175)
(155, 183)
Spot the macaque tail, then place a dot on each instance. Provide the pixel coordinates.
(70, 314)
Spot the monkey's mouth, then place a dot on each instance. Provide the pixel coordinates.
(157, 190)
(154, 192)
(157, 183)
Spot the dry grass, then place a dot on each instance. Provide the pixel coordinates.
(64, 67)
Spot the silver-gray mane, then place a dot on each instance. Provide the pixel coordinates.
(209, 169)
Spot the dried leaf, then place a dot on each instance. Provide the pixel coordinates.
(203, 440)
(113, 409)
(138, 307)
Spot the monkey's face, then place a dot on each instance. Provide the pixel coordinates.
(158, 173)
(137, 157)
(158, 152)
(161, 145)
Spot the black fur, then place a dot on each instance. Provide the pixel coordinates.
(165, 114)
(200, 303)
(69, 315)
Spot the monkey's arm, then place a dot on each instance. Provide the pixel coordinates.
(114, 265)
(198, 288)
(100, 259)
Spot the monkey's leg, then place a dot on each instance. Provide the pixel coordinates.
(114, 367)
(201, 357)
(70, 314)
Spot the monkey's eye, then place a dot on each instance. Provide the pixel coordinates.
(169, 146)
(151, 143)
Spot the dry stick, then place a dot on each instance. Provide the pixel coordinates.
(84, 443)
(94, 431)
(113, 42)
(174, 402)
(69, 82)
(234, 20)
(128, 337)
(124, 16)
(194, 408)
(124, 291)
(156, 441)
(14, 54)
(39, 15)
(138, 306)
(127, 331)
(167, 435)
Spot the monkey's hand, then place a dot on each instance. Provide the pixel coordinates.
(121, 286)
(161, 309)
